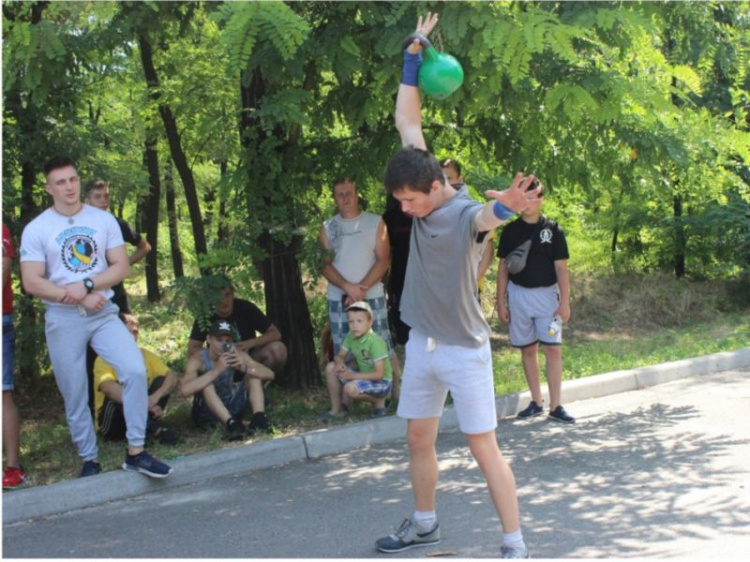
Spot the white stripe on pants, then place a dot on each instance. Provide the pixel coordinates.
(68, 332)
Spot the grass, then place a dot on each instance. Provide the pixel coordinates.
(618, 323)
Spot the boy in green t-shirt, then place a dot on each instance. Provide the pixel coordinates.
(371, 381)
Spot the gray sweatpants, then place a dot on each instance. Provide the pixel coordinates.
(69, 329)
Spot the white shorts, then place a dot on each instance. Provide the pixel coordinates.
(433, 368)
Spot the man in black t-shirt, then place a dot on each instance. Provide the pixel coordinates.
(255, 334)
(538, 301)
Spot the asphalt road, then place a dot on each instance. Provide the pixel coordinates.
(662, 472)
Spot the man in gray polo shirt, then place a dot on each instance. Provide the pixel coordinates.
(448, 348)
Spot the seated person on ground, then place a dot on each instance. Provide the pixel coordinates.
(219, 378)
(247, 322)
(371, 380)
(109, 417)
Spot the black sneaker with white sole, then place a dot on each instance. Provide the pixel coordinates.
(408, 536)
(560, 415)
(533, 409)
(146, 464)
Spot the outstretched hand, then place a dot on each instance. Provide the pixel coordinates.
(516, 198)
(424, 27)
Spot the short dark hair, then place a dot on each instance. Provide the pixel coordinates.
(343, 179)
(94, 184)
(414, 168)
(57, 162)
(453, 164)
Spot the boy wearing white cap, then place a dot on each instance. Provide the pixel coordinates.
(372, 379)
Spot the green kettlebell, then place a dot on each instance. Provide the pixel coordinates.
(440, 74)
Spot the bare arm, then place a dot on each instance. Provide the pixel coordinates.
(7, 268)
(408, 103)
(35, 284)
(502, 287)
(140, 252)
(272, 334)
(487, 256)
(332, 274)
(119, 269)
(194, 346)
(382, 258)
(563, 283)
(375, 375)
(171, 380)
(112, 390)
(194, 381)
(515, 198)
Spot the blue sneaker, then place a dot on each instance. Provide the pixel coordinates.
(559, 414)
(146, 464)
(408, 536)
(533, 409)
(90, 468)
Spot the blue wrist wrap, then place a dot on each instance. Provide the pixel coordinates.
(410, 73)
(501, 211)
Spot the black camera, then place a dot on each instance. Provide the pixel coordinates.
(227, 347)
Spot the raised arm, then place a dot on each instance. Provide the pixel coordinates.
(408, 104)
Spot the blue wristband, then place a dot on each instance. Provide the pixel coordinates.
(501, 211)
(410, 73)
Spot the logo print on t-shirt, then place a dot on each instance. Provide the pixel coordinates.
(546, 236)
(79, 253)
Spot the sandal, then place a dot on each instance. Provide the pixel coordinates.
(379, 412)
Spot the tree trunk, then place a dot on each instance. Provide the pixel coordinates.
(174, 238)
(175, 148)
(679, 238)
(286, 304)
(150, 217)
(282, 276)
(222, 233)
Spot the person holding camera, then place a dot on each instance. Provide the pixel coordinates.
(537, 289)
(222, 379)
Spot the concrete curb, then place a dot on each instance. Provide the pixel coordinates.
(76, 494)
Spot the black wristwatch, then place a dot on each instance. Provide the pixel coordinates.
(89, 284)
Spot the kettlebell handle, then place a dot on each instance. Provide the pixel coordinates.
(410, 39)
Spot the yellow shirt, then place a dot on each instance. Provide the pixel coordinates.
(155, 367)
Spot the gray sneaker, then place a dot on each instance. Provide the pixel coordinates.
(510, 552)
(407, 536)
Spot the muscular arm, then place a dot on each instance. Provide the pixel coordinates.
(35, 284)
(141, 250)
(563, 283)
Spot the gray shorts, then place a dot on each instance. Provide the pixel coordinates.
(434, 368)
(531, 312)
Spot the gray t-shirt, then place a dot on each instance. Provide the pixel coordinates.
(353, 241)
(439, 298)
